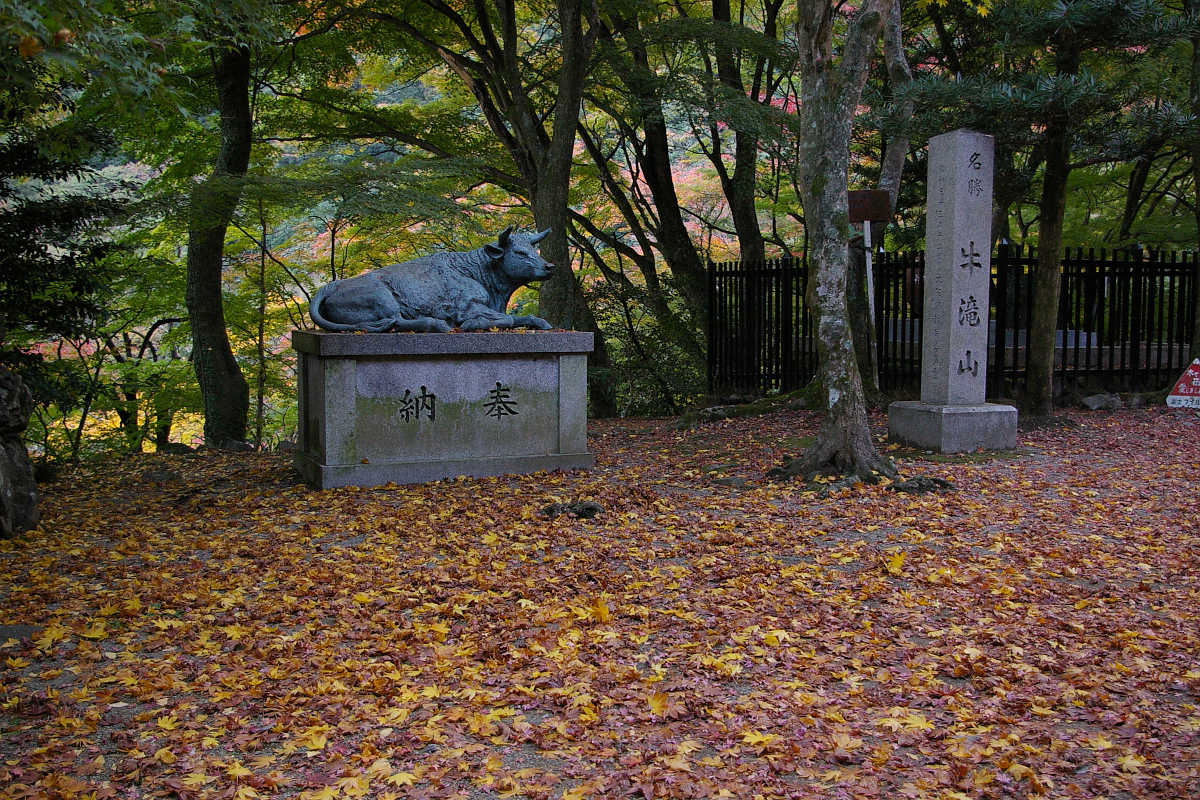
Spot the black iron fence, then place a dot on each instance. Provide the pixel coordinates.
(1125, 321)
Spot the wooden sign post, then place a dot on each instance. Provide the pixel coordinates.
(867, 206)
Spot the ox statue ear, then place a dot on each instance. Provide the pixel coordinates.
(505, 236)
(494, 251)
(537, 237)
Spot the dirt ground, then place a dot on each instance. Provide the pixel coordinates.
(202, 625)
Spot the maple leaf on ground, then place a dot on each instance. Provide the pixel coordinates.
(50, 635)
(843, 742)
(96, 631)
(1131, 762)
(195, 780)
(774, 638)
(758, 739)
(894, 563)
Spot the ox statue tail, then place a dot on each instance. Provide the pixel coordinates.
(314, 311)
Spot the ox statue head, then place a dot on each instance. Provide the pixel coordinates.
(517, 257)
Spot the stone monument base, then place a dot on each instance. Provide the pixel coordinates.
(380, 408)
(953, 428)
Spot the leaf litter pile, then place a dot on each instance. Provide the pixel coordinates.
(201, 626)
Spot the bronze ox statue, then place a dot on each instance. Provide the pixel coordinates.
(469, 291)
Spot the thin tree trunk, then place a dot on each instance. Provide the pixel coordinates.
(261, 338)
(674, 242)
(739, 188)
(1043, 316)
(222, 385)
(1039, 392)
(89, 397)
(891, 169)
(163, 414)
(1039, 389)
(1133, 194)
(561, 298)
(495, 77)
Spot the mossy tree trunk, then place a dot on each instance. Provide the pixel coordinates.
(830, 92)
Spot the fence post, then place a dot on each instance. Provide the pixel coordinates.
(1135, 320)
(1192, 316)
(786, 276)
(711, 332)
(996, 374)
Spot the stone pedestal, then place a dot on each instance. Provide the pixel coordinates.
(412, 407)
(954, 428)
(952, 415)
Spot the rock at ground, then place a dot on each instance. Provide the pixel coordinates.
(18, 489)
(921, 484)
(1105, 401)
(704, 415)
(732, 481)
(161, 476)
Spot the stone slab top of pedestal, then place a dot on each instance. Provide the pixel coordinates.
(349, 345)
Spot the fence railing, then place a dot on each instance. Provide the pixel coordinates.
(1125, 321)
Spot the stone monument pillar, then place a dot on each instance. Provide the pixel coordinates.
(952, 415)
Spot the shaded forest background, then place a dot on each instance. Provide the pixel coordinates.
(178, 178)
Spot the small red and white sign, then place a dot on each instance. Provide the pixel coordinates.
(1186, 393)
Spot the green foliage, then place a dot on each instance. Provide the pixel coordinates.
(1112, 71)
(53, 251)
(651, 374)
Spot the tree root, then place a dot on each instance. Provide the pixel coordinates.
(835, 454)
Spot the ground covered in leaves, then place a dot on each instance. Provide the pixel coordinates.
(201, 626)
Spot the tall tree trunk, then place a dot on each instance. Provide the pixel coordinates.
(830, 92)
(1043, 317)
(223, 387)
(1039, 390)
(561, 298)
